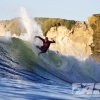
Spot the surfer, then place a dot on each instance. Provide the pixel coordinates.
(46, 44)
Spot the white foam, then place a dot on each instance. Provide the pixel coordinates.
(6, 38)
(32, 28)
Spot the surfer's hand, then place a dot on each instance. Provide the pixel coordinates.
(35, 36)
(51, 38)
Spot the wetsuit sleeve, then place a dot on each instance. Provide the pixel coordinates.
(40, 38)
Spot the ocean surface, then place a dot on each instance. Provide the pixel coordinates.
(26, 76)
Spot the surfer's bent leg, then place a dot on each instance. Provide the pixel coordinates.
(38, 47)
(43, 51)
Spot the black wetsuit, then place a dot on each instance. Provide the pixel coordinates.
(45, 46)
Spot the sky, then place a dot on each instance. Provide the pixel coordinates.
(78, 10)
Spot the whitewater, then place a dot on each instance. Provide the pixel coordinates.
(26, 76)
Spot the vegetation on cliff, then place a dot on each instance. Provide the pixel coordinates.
(94, 22)
(47, 23)
(16, 27)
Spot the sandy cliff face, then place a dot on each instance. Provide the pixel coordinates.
(94, 22)
(73, 42)
(3, 27)
(14, 26)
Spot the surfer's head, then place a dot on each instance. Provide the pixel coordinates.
(46, 38)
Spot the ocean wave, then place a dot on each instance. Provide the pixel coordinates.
(18, 57)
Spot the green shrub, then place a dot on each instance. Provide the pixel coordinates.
(47, 23)
(56, 22)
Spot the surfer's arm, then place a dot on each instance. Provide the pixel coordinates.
(39, 37)
(52, 41)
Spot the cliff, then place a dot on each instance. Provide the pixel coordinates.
(83, 39)
(76, 41)
(94, 22)
(14, 26)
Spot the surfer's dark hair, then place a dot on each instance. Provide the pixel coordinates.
(46, 38)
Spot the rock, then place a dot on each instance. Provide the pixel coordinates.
(14, 26)
(94, 22)
(76, 43)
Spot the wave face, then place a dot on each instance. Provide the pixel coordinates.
(17, 55)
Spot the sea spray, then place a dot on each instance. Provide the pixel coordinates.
(32, 28)
(6, 38)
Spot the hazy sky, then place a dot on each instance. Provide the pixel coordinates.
(65, 9)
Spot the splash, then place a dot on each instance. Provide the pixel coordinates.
(32, 28)
(6, 38)
(30, 24)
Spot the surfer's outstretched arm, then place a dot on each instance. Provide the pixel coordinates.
(39, 38)
(52, 41)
